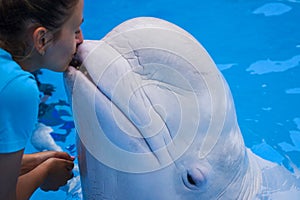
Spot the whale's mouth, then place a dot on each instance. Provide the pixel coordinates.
(76, 62)
(82, 69)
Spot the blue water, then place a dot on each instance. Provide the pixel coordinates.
(255, 44)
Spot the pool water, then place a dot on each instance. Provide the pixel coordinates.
(255, 44)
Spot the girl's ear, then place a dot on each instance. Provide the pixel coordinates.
(41, 37)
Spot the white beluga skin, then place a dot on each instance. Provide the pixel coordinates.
(156, 120)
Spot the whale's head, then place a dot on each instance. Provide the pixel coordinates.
(154, 116)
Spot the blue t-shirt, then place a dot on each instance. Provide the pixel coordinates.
(19, 100)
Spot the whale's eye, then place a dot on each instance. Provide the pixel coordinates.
(190, 179)
(194, 179)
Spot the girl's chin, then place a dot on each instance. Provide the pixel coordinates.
(61, 69)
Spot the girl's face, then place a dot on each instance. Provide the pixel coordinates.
(60, 52)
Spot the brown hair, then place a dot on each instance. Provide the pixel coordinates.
(19, 17)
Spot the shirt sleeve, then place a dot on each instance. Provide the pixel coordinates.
(19, 101)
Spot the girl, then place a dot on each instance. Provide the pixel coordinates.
(34, 34)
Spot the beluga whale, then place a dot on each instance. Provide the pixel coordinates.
(155, 119)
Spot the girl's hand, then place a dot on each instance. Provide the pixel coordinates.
(31, 161)
(59, 172)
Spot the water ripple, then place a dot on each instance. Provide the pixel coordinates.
(272, 9)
